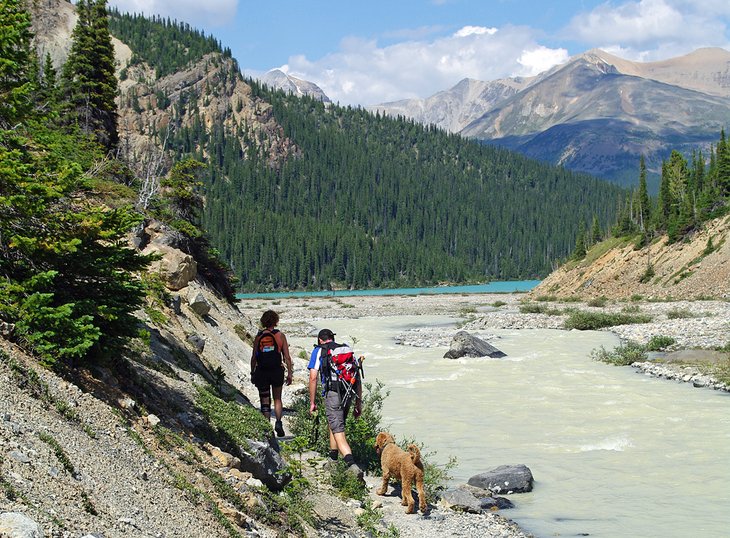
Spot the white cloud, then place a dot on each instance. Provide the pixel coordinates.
(362, 72)
(194, 12)
(475, 30)
(653, 29)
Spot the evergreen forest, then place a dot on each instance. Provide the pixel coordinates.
(371, 201)
(691, 192)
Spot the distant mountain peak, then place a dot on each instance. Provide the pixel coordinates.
(276, 78)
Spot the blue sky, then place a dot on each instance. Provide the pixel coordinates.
(376, 51)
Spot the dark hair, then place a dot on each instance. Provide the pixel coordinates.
(269, 319)
(326, 334)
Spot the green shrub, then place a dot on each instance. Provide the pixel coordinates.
(435, 477)
(497, 304)
(598, 302)
(631, 309)
(680, 313)
(659, 342)
(533, 308)
(238, 422)
(585, 321)
(623, 355)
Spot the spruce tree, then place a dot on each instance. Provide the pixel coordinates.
(89, 83)
(723, 165)
(15, 63)
(644, 209)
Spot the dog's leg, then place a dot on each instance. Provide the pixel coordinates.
(421, 493)
(384, 487)
(407, 496)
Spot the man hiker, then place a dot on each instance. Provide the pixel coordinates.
(338, 395)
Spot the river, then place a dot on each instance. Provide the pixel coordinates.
(613, 453)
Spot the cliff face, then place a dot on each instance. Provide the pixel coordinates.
(696, 267)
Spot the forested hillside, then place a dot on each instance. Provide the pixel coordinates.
(372, 201)
(361, 200)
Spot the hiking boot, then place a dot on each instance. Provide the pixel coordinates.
(355, 470)
(279, 428)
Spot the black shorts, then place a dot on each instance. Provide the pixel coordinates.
(271, 377)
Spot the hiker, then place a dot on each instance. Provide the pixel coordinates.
(338, 395)
(267, 367)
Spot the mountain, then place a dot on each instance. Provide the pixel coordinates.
(589, 116)
(597, 113)
(455, 108)
(279, 80)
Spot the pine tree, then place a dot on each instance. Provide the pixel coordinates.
(596, 234)
(644, 208)
(580, 242)
(723, 165)
(15, 63)
(89, 83)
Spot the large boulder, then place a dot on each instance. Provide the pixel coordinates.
(17, 525)
(175, 267)
(467, 345)
(504, 479)
(263, 462)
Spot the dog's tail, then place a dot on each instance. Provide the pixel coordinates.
(415, 454)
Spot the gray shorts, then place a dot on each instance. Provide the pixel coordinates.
(336, 414)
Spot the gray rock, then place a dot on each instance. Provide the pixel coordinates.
(472, 499)
(20, 457)
(175, 267)
(198, 303)
(264, 463)
(197, 341)
(467, 345)
(505, 479)
(17, 525)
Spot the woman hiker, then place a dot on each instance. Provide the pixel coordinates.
(270, 352)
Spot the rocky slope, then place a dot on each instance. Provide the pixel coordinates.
(696, 268)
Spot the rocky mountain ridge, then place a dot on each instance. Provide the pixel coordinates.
(596, 113)
(276, 78)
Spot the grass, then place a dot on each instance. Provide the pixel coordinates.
(59, 452)
(586, 321)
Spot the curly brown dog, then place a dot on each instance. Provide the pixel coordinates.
(404, 466)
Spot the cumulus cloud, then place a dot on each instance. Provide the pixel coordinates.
(653, 29)
(362, 72)
(194, 12)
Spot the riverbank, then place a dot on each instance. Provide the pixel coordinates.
(700, 326)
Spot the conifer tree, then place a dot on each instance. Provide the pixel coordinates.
(15, 63)
(644, 209)
(580, 242)
(89, 83)
(596, 234)
(723, 165)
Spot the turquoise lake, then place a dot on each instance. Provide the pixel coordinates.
(507, 286)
